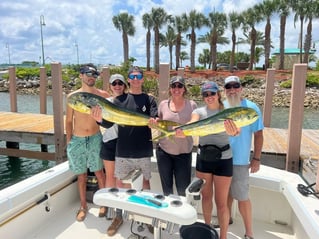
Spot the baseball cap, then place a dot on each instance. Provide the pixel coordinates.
(177, 79)
(210, 86)
(115, 77)
(230, 79)
(89, 68)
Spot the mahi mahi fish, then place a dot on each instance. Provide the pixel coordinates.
(242, 116)
(84, 101)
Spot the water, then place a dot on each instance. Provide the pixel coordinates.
(280, 117)
(13, 170)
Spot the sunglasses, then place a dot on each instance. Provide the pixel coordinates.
(208, 94)
(94, 74)
(138, 76)
(114, 83)
(178, 85)
(235, 86)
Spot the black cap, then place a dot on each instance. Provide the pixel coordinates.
(177, 79)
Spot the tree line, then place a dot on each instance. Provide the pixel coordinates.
(304, 11)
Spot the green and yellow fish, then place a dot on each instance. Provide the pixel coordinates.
(242, 116)
(84, 101)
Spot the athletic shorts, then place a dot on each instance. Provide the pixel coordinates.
(239, 188)
(222, 167)
(84, 153)
(108, 150)
(123, 166)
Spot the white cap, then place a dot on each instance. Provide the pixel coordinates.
(116, 77)
(231, 79)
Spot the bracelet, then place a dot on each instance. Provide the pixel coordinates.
(257, 159)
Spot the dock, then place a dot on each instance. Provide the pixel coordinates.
(27, 128)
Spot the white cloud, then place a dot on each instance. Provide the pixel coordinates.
(89, 24)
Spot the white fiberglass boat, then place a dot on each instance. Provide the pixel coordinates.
(44, 206)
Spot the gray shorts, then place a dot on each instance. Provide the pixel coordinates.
(123, 166)
(239, 188)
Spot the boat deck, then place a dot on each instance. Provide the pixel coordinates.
(279, 211)
(64, 226)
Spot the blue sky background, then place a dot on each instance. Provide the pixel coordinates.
(89, 25)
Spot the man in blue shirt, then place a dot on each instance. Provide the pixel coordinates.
(241, 147)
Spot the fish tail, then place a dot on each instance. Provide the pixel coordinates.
(161, 136)
(164, 133)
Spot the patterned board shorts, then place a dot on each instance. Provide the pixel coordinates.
(84, 153)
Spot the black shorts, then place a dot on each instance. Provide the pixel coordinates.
(222, 167)
(108, 150)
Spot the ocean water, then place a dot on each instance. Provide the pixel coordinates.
(13, 170)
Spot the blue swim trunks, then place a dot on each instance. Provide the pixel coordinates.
(84, 153)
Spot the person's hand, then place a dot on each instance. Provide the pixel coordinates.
(96, 113)
(254, 166)
(152, 123)
(179, 133)
(231, 128)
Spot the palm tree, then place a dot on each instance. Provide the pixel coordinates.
(148, 24)
(207, 39)
(284, 10)
(235, 21)
(258, 53)
(313, 11)
(169, 40)
(194, 20)
(266, 9)
(180, 27)
(218, 24)
(205, 58)
(124, 22)
(300, 8)
(183, 56)
(251, 17)
(159, 18)
(260, 38)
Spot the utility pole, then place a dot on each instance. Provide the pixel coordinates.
(8, 46)
(77, 52)
(42, 23)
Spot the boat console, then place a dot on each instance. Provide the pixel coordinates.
(162, 212)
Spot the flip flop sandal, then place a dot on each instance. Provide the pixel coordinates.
(81, 214)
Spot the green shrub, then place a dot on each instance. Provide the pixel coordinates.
(247, 80)
(194, 91)
(312, 80)
(150, 86)
(286, 84)
(28, 73)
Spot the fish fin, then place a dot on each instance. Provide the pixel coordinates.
(223, 119)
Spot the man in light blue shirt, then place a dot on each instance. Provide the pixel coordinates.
(241, 146)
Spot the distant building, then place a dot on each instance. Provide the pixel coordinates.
(292, 56)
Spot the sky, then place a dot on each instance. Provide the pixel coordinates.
(83, 30)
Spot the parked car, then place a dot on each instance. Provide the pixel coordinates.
(224, 67)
